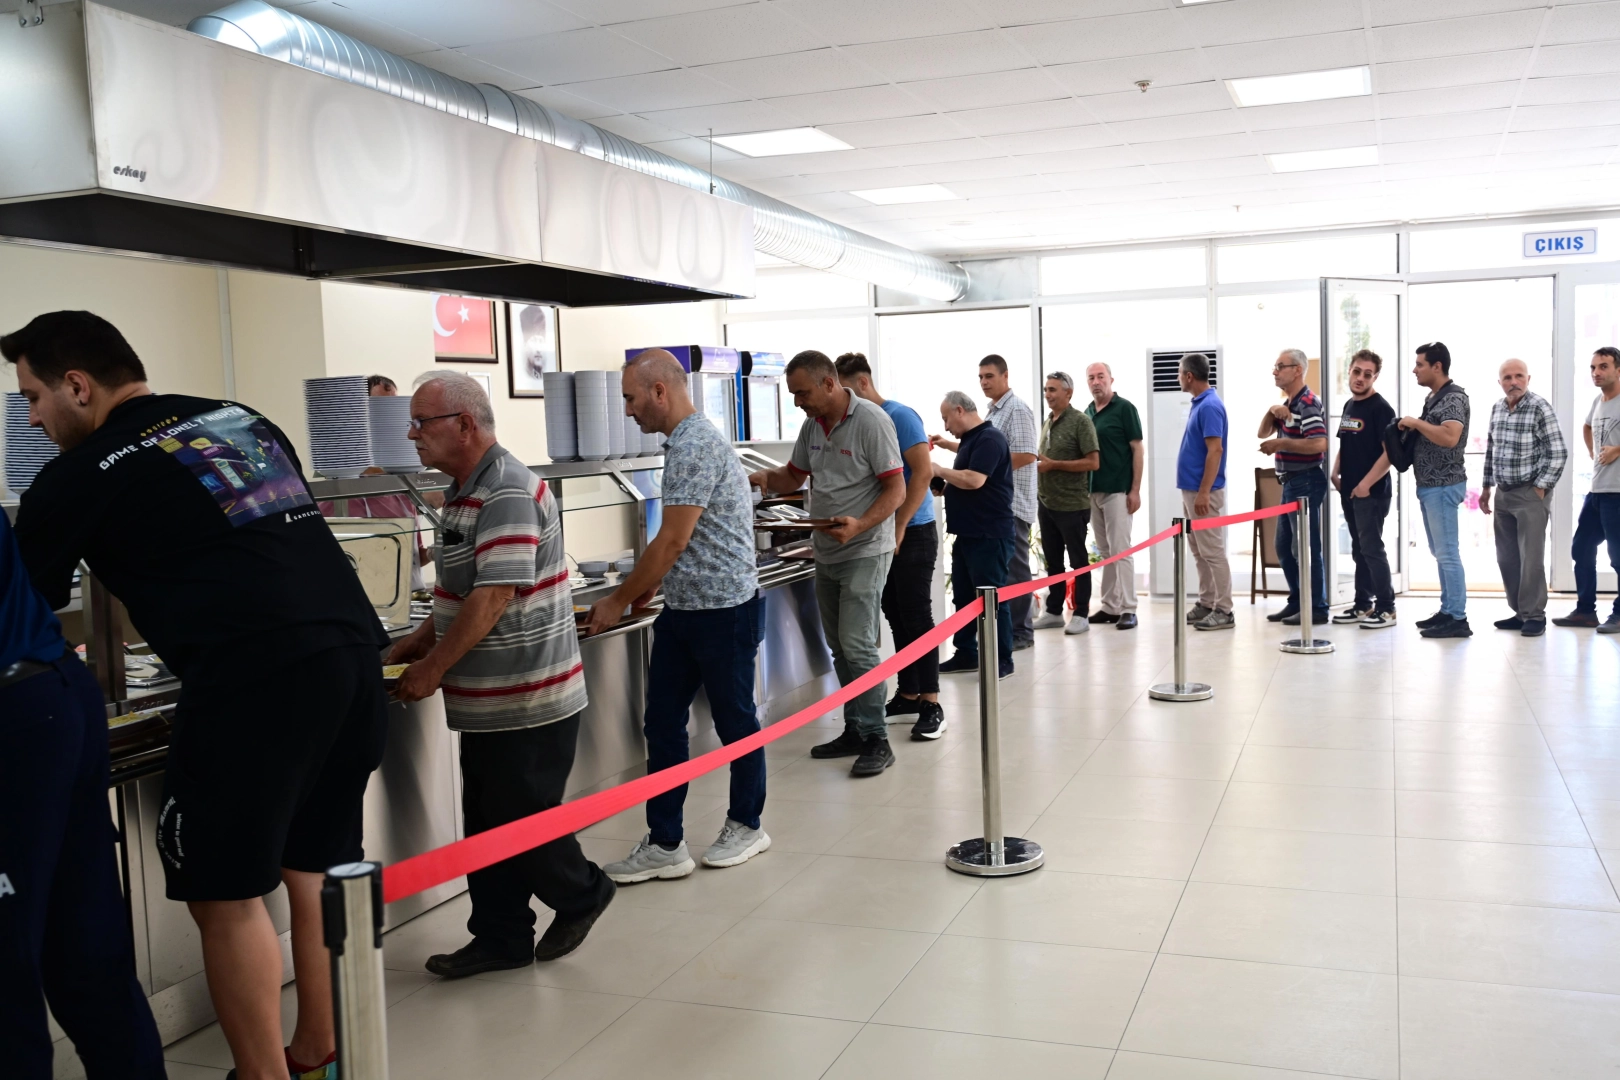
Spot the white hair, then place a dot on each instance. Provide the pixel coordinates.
(958, 400)
(462, 393)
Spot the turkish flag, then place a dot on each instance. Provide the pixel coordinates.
(463, 327)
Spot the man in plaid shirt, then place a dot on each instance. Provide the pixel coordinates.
(1524, 457)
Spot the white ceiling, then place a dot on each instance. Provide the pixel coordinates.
(1027, 109)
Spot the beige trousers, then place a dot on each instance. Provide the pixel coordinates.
(1111, 526)
(1209, 553)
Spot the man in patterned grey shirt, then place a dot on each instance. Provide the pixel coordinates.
(1442, 483)
(710, 629)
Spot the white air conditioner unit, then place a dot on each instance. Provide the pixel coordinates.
(1168, 406)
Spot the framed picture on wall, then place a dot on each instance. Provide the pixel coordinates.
(464, 329)
(482, 379)
(533, 347)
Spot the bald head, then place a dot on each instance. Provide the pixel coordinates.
(1514, 378)
(656, 366)
(655, 391)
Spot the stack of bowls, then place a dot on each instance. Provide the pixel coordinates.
(391, 446)
(595, 414)
(562, 427)
(27, 448)
(652, 443)
(339, 425)
(632, 436)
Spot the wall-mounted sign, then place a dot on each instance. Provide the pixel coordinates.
(1543, 245)
(463, 328)
(533, 348)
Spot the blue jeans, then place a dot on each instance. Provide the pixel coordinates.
(976, 561)
(1599, 523)
(715, 650)
(1439, 505)
(1311, 485)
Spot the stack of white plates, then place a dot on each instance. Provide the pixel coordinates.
(391, 446)
(339, 425)
(652, 443)
(27, 448)
(562, 428)
(597, 405)
(632, 435)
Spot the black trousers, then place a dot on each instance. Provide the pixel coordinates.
(64, 930)
(506, 775)
(1365, 519)
(1062, 529)
(908, 604)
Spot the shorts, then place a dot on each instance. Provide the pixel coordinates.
(270, 772)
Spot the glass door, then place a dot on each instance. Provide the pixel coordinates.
(1589, 318)
(1360, 313)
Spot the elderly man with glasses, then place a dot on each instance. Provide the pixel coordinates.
(1296, 433)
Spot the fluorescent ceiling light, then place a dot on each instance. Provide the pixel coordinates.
(888, 196)
(1305, 86)
(1348, 157)
(805, 140)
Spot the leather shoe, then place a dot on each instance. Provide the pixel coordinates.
(1534, 627)
(1282, 616)
(1587, 619)
(567, 932)
(474, 958)
(1102, 616)
(1512, 622)
(1318, 618)
(1127, 621)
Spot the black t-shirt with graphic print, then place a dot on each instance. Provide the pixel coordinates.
(1361, 442)
(194, 513)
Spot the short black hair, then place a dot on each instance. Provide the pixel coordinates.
(1370, 357)
(996, 362)
(374, 381)
(851, 364)
(1436, 353)
(1196, 364)
(1611, 352)
(814, 364)
(62, 341)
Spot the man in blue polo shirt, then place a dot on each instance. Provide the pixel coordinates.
(979, 513)
(1296, 434)
(1201, 476)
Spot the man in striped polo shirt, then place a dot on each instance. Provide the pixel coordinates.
(1298, 439)
(503, 648)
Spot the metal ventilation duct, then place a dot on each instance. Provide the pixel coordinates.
(779, 229)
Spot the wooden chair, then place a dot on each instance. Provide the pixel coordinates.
(1267, 493)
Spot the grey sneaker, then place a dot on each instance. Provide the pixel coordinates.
(1611, 626)
(1198, 613)
(737, 843)
(1077, 625)
(647, 860)
(1049, 621)
(1216, 620)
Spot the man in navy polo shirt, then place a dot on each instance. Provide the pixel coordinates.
(1296, 434)
(979, 513)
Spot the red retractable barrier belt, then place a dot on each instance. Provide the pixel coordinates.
(1200, 524)
(1012, 592)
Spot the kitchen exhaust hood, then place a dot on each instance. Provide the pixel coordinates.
(124, 135)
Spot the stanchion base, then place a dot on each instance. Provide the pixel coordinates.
(1186, 691)
(1019, 856)
(1306, 646)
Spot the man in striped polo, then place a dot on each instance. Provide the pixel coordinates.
(1296, 435)
(503, 648)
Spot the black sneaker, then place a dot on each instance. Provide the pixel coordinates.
(875, 757)
(958, 664)
(902, 706)
(1352, 614)
(1439, 618)
(1127, 621)
(1449, 628)
(1101, 616)
(1318, 618)
(474, 958)
(567, 933)
(931, 724)
(1006, 669)
(1282, 616)
(1512, 622)
(847, 744)
(1587, 619)
(1534, 627)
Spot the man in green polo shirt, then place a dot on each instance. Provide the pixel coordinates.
(1065, 460)
(1116, 493)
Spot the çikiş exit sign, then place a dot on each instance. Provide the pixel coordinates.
(1540, 245)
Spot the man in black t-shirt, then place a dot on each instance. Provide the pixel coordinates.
(194, 513)
(1361, 476)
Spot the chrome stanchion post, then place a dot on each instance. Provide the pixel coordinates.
(352, 918)
(994, 854)
(1181, 689)
(1307, 642)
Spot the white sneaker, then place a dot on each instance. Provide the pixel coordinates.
(1077, 625)
(1377, 620)
(737, 843)
(1049, 621)
(647, 860)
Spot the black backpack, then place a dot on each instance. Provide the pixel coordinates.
(1402, 445)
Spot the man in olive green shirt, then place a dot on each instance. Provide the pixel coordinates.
(1066, 459)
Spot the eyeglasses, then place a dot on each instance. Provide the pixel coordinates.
(418, 422)
(1282, 367)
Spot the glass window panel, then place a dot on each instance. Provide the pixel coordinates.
(1118, 271)
(926, 355)
(1501, 245)
(1337, 256)
(800, 289)
(789, 336)
(1597, 323)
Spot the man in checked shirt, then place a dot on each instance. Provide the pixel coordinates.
(1524, 457)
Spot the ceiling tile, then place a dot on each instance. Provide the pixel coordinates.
(1103, 157)
(897, 132)
(674, 89)
(941, 57)
(930, 153)
(1385, 12)
(607, 12)
(1560, 139)
(987, 91)
(1313, 53)
(1306, 113)
(946, 172)
(851, 22)
(462, 66)
(1101, 39)
(1455, 37)
(730, 117)
(571, 56)
(690, 150)
(1268, 20)
(467, 22)
(1020, 12)
(567, 104)
(1576, 23)
(1581, 156)
(809, 72)
(1452, 125)
(806, 164)
(1002, 185)
(851, 106)
(1215, 168)
(1033, 117)
(1191, 125)
(1107, 178)
(1117, 76)
(1199, 97)
(1595, 58)
(721, 34)
(637, 129)
(1040, 142)
(1450, 71)
(1438, 149)
(1331, 137)
(1216, 146)
(1545, 117)
(1560, 91)
(1448, 99)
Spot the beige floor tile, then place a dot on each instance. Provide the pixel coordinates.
(733, 891)
(1309, 1019)
(1469, 737)
(889, 894)
(961, 787)
(1367, 811)
(1505, 705)
(1175, 760)
(704, 1042)
(1072, 909)
(1553, 948)
(1160, 849)
(1285, 700)
(1020, 753)
(1591, 779)
(810, 780)
(1284, 859)
(920, 833)
(809, 828)
(1155, 725)
(1020, 990)
(507, 1029)
(1505, 819)
(1488, 774)
(1139, 798)
(1583, 742)
(811, 969)
(1323, 732)
(1488, 1032)
(881, 1052)
(1602, 819)
(1035, 721)
(1504, 874)
(1310, 765)
(1284, 926)
(1129, 1065)
(631, 824)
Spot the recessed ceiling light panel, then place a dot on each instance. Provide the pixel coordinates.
(805, 140)
(890, 196)
(1348, 157)
(1303, 86)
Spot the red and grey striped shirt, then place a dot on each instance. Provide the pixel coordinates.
(1306, 420)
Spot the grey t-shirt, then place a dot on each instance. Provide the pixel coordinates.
(1604, 420)
(1439, 466)
(717, 569)
(845, 463)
